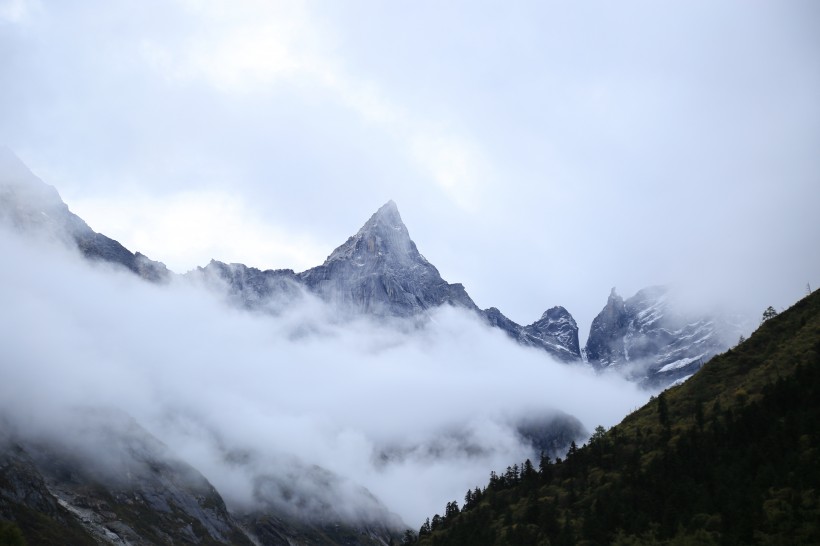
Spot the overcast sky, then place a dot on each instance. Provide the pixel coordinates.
(540, 153)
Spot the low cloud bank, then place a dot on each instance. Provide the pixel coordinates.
(253, 400)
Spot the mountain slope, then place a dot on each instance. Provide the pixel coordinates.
(649, 339)
(729, 457)
(29, 205)
(127, 489)
(111, 482)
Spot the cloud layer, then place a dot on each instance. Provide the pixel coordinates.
(284, 393)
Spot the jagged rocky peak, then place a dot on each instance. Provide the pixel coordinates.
(384, 236)
(605, 343)
(557, 331)
(380, 271)
(249, 287)
(652, 339)
(558, 323)
(557, 315)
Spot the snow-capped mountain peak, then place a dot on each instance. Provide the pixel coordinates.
(651, 339)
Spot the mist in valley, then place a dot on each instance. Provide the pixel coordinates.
(296, 409)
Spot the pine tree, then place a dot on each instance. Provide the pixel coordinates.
(425, 528)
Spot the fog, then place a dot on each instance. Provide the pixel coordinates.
(388, 406)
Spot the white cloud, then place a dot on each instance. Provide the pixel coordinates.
(237, 47)
(454, 165)
(191, 228)
(253, 48)
(17, 11)
(205, 378)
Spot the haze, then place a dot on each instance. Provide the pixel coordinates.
(288, 392)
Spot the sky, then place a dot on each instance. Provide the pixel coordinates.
(540, 153)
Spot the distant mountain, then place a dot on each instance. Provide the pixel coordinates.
(30, 205)
(652, 341)
(729, 457)
(556, 332)
(55, 494)
(380, 272)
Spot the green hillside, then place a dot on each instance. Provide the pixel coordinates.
(732, 456)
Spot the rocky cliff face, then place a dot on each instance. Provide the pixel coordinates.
(555, 332)
(604, 346)
(271, 290)
(555, 329)
(380, 271)
(651, 340)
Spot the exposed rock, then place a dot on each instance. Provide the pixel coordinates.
(270, 290)
(555, 332)
(651, 340)
(605, 344)
(380, 271)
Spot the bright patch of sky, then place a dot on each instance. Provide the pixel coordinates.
(540, 152)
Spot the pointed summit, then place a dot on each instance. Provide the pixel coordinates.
(380, 270)
(388, 212)
(387, 217)
(383, 237)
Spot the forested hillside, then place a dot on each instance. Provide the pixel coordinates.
(732, 456)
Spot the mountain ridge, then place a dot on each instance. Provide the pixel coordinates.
(378, 271)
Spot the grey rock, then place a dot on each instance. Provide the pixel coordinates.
(652, 340)
(379, 271)
(270, 290)
(555, 332)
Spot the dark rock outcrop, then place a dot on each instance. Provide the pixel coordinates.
(555, 332)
